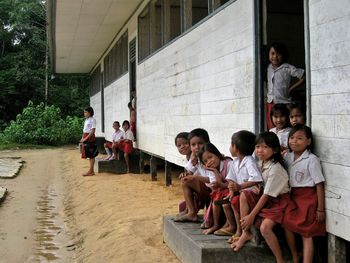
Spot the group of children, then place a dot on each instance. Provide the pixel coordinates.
(273, 179)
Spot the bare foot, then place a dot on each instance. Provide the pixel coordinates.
(187, 218)
(88, 174)
(181, 214)
(211, 230)
(235, 237)
(246, 236)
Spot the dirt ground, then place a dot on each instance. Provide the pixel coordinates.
(54, 214)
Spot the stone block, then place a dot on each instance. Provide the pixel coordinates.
(119, 166)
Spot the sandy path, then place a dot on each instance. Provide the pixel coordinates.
(109, 218)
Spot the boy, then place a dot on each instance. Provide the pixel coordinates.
(112, 147)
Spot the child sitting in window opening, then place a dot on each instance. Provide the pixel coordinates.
(279, 76)
(112, 147)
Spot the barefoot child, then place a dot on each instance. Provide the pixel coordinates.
(125, 144)
(112, 147)
(280, 118)
(273, 202)
(216, 163)
(194, 181)
(305, 213)
(244, 178)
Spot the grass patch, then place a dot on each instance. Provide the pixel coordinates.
(17, 146)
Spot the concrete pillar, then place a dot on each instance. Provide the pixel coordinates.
(153, 168)
(167, 173)
(141, 162)
(336, 249)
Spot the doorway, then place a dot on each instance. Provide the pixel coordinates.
(132, 85)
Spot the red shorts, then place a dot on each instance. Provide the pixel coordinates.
(251, 196)
(108, 144)
(126, 147)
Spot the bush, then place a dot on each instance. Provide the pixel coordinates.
(42, 125)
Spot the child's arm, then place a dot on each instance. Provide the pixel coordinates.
(248, 220)
(91, 133)
(296, 84)
(237, 187)
(218, 179)
(320, 212)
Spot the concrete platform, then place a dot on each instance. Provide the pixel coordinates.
(189, 244)
(10, 167)
(119, 166)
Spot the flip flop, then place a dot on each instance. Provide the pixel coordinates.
(233, 239)
(222, 232)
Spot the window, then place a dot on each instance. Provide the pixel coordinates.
(218, 3)
(144, 33)
(199, 10)
(95, 81)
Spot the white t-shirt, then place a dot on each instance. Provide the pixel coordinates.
(90, 123)
(244, 171)
(128, 135)
(199, 169)
(117, 135)
(282, 135)
(306, 171)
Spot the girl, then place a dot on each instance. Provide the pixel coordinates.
(279, 75)
(280, 118)
(89, 148)
(273, 202)
(215, 162)
(305, 213)
(297, 113)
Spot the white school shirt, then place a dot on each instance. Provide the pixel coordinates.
(282, 135)
(278, 82)
(275, 178)
(199, 169)
(90, 123)
(244, 171)
(128, 135)
(117, 135)
(305, 171)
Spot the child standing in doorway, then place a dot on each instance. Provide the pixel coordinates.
(305, 214)
(279, 76)
(280, 119)
(275, 198)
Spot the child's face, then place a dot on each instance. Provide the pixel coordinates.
(296, 117)
(263, 152)
(183, 146)
(116, 126)
(196, 144)
(86, 114)
(210, 160)
(275, 58)
(279, 120)
(298, 142)
(126, 126)
(233, 150)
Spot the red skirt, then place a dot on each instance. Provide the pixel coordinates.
(275, 208)
(251, 196)
(89, 148)
(108, 144)
(125, 147)
(300, 216)
(269, 123)
(219, 194)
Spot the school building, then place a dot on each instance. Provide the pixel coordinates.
(202, 63)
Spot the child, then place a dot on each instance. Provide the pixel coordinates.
(280, 118)
(279, 74)
(89, 148)
(132, 119)
(194, 181)
(273, 202)
(125, 144)
(296, 113)
(215, 162)
(112, 147)
(305, 213)
(244, 178)
(182, 144)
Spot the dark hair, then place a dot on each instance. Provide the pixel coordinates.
(199, 132)
(298, 105)
(129, 105)
(244, 141)
(126, 122)
(283, 109)
(306, 130)
(90, 110)
(272, 141)
(182, 135)
(209, 147)
(116, 122)
(281, 49)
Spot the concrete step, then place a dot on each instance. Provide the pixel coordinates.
(119, 166)
(189, 244)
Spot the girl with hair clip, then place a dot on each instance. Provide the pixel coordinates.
(279, 76)
(305, 214)
(275, 197)
(218, 165)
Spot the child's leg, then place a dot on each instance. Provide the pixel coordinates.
(115, 151)
(188, 187)
(126, 157)
(308, 250)
(230, 221)
(238, 222)
(291, 244)
(266, 230)
(92, 163)
(108, 151)
(216, 217)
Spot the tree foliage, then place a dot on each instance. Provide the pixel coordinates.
(22, 64)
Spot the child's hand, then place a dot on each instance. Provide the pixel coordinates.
(247, 221)
(187, 178)
(229, 196)
(320, 216)
(233, 186)
(215, 184)
(184, 174)
(194, 159)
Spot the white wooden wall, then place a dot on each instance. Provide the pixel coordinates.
(330, 107)
(203, 79)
